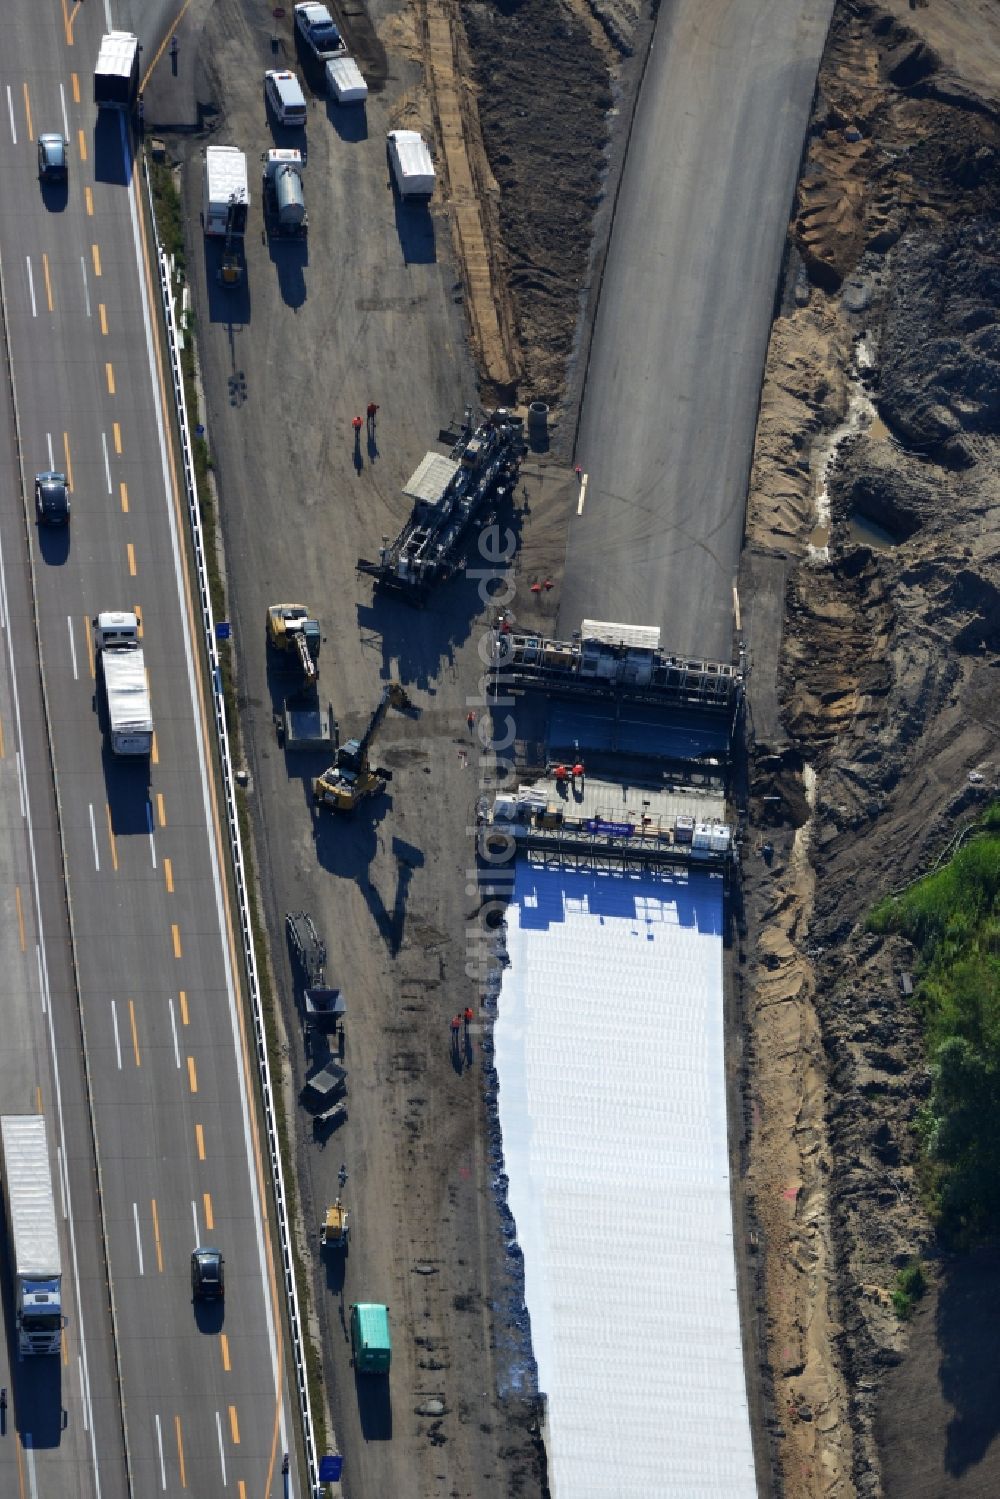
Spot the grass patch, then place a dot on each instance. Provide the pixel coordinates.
(911, 1283)
(952, 917)
(167, 208)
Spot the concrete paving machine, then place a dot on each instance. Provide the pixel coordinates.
(352, 778)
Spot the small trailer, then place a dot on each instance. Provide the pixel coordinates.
(345, 83)
(412, 167)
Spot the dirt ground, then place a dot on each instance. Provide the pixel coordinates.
(873, 508)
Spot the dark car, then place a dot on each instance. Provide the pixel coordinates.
(52, 499)
(208, 1276)
(53, 163)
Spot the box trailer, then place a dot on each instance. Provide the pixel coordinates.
(345, 83)
(227, 193)
(32, 1235)
(116, 74)
(126, 689)
(411, 163)
(371, 1345)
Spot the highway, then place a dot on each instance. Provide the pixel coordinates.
(680, 337)
(205, 1397)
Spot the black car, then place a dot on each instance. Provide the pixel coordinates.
(52, 499)
(208, 1276)
(53, 164)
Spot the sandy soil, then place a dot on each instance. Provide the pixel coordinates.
(887, 680)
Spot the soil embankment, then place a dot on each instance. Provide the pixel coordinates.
(876, 738)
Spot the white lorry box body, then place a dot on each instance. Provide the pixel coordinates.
(116, 73)
(411, 163)
(33, 1242)
(344, 81)
(227, 193)
(126, 690)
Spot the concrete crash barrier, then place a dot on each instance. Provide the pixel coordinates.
(295, 1319)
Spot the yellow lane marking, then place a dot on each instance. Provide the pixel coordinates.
(199, 1139)
(111, 837)
(109, 372)
(175, 933)
(234, 1426)
(48, 282)
(175, 497)
(168, 874)
(161, 810)
(67, 25)
(137, 611)
(123, 490)
(117, 434)
(95, 255)
(20, 917)
(156, 1237)
(209, 1214)
(102, 313)
(183, 1001)
(90, 644)
(224, 1345)
(241, 1489)
(65, 1347)
(156, 750)
(180, 1451)
(176, 22)
(27, 110)
(82, 144)
(130, 549)
(38, 1101)
(135, 1032)
(88, 202)
(192, 1075)
(75, 81)
(69, 461)
(20, 1470)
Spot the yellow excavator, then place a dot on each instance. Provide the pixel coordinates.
(352, 777)
(290, 629)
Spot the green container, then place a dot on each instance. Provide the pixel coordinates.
(370, 1341)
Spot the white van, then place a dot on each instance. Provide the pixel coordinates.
(284, 94)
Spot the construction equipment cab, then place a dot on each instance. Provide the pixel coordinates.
(289, 629)
(371, 1346)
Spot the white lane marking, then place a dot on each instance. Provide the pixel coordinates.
(48, 444)
(138, 1240)
(231, 990)
(41, 976)
(583, 494)
(85, 1387)
(20, 784)
(118, 1039)
(173, 1027)
(63, 1178)
(86, 284)
(222, 1450)
(47, 1007)
(107, 464)
(29, 1451)
(10, 111)
(31, 286)
(62, 97)
(93, 837)
(72, 646)
(197, 1230)
(159, 1444)
(152, 839)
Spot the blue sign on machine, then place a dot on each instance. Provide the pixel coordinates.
(223, 629)
(329, 1468)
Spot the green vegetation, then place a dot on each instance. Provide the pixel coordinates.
(952, 917)
(170, 226)
(911, 1283)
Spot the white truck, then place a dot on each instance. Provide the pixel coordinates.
(116, 74)
(32, 1234)
(126, 689)
(411, 163)
(284, 199)
(345, 82)
(319, 35)
(227, 194)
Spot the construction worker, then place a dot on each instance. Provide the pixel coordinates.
(356, 424)
(470, 719)
(372, 413)
(468, 1016)
(456, 1026)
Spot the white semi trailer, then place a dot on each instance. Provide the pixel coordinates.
(126, 689)
(32, 1235)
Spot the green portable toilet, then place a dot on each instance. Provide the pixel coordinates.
(370, 1342)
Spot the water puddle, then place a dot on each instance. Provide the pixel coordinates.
(868, 533)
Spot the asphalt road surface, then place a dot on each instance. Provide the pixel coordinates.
(670, 406)
(205, 1398)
